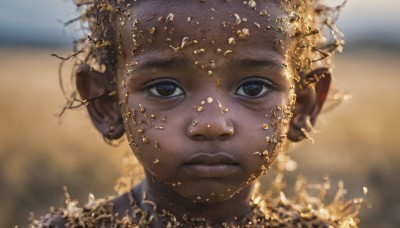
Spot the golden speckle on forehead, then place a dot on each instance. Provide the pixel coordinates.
(170, 18)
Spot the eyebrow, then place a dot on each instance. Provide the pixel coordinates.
(164, 64)
(250, 62)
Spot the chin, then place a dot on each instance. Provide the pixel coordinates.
(209, 192)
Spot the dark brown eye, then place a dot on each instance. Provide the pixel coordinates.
(253, 88)
(165, 89)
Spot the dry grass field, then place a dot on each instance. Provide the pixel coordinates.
(359, 142)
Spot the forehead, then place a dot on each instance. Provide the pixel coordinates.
(149, 25)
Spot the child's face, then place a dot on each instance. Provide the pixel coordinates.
(206, 98)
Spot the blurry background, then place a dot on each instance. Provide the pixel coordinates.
(39, 154)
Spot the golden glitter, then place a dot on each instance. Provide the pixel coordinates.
(264, 13)
(170, 18)
(185, 41)
(199, 51)
(202, 102)
(156, 161)
(210, 100)
(200, 109)
(189, 19)
(265, 153)
(231, 41)
(227, 52)
(142, 108)
(265, 126)
(237, 19)
(152, 30)
(219, 50)
(210, 73)
(257, 25)
(243, 34)
(251, 4)
(145, 140)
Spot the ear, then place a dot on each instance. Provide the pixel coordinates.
(311, 96)
(100, 92)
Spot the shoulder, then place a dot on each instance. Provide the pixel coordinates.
(103, 212)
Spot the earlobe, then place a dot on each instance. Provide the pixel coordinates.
(96, 88)
(311, 95)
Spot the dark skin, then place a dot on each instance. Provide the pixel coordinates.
(198, 119)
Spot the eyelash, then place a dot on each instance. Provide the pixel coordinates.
(267, 88)
(151, 88)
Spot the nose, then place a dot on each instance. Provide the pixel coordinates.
(211, 124)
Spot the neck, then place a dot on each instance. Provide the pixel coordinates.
(165, 198)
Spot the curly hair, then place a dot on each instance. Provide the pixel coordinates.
(309, 24)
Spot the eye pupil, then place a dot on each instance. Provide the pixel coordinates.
(166, 89)
(252, 89)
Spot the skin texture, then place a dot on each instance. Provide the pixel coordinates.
(204, 125)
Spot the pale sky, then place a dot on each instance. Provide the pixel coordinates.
(39, 19)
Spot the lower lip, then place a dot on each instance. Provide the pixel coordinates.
(207, 170)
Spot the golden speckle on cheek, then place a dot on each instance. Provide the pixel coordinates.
(152, 30)
(227, 52)
(142, 108)
(251, 4)
(231, 41)
(243, 33)
(237, 19)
